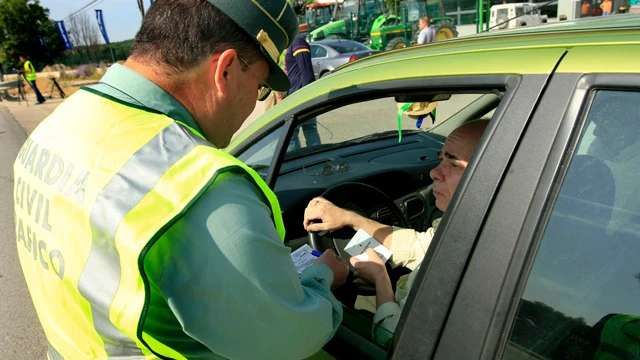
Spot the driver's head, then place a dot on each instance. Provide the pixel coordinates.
(454, 157)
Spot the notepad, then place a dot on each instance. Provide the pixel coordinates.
(358, 245)
(303, 258)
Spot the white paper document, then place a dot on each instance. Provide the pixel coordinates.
(303, 258)
(358, 245)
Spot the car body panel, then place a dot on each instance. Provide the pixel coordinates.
(596, 59)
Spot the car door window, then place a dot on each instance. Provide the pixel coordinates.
(375, 119)
(314, 51)
(582, 296)
(320, 52)
(259, 155)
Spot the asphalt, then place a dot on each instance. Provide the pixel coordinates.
(21, 336)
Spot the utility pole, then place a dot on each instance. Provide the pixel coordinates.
(141, 7)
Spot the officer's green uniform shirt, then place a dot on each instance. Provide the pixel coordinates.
(229, 282)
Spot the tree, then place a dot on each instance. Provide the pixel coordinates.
(23, 24)
(83, 32)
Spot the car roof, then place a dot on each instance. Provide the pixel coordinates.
(534, 50)
(586, 31)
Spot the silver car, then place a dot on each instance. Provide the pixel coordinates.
(326, 55)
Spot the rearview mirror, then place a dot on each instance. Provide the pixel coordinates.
(412, 98)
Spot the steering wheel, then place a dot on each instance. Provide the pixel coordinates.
(354, 195)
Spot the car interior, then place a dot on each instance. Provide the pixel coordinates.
(362, 165)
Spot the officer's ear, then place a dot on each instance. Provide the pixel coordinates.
(225, 69)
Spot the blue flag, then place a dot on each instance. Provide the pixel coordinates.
(62, 31)
(103, 30)
(150, 2)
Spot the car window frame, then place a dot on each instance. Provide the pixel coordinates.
(533, 183)
(350, 95)
(428, 305)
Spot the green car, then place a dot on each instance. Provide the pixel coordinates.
(538, 253)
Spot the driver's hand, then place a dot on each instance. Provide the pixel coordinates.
(337, 264)
(372, 269)
(332, 217)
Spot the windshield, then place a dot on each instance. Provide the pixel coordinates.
(344, 47)
(349, 9)
(318, 16)
(519, 11)
(368, 121)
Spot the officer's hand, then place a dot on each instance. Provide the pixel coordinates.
(337, 264)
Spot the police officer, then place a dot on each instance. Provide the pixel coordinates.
(138, 238)
(30, 74)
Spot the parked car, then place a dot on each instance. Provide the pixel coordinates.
(326, 55)
(537, 254)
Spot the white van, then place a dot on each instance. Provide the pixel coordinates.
(501, 13)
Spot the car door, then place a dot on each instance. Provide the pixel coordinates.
(553, 271)
(519, 94)
(318, 59)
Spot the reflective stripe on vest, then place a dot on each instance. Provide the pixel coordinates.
(120, 176)
(29, 71)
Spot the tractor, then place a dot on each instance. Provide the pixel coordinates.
(317, 14)
(370, 22)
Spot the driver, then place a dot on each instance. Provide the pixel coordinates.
(408, 246)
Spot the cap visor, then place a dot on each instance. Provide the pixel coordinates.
(278, 80)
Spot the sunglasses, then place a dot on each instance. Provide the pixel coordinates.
(264, 90)
(329, 169)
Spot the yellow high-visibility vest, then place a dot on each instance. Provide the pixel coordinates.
(29, 71)
(96, 185)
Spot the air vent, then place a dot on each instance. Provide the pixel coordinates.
(414, 207)
(385, 216)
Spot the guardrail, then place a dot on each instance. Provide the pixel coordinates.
(13, 84)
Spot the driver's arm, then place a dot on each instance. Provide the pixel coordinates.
(409, 246)
(231, 283)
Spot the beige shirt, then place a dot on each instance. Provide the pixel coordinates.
(409, 248)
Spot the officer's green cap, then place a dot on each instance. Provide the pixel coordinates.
(271, 23)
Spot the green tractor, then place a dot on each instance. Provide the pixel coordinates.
(317, 14)
(370, 22)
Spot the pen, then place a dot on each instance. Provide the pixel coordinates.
(315, 253)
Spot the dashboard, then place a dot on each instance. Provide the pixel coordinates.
(400, 170)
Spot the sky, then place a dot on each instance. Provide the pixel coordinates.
(121, 17)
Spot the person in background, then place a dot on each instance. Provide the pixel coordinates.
(299, 69)
(585, 9)
(30, 74)
(427, 34)
(606, 7)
